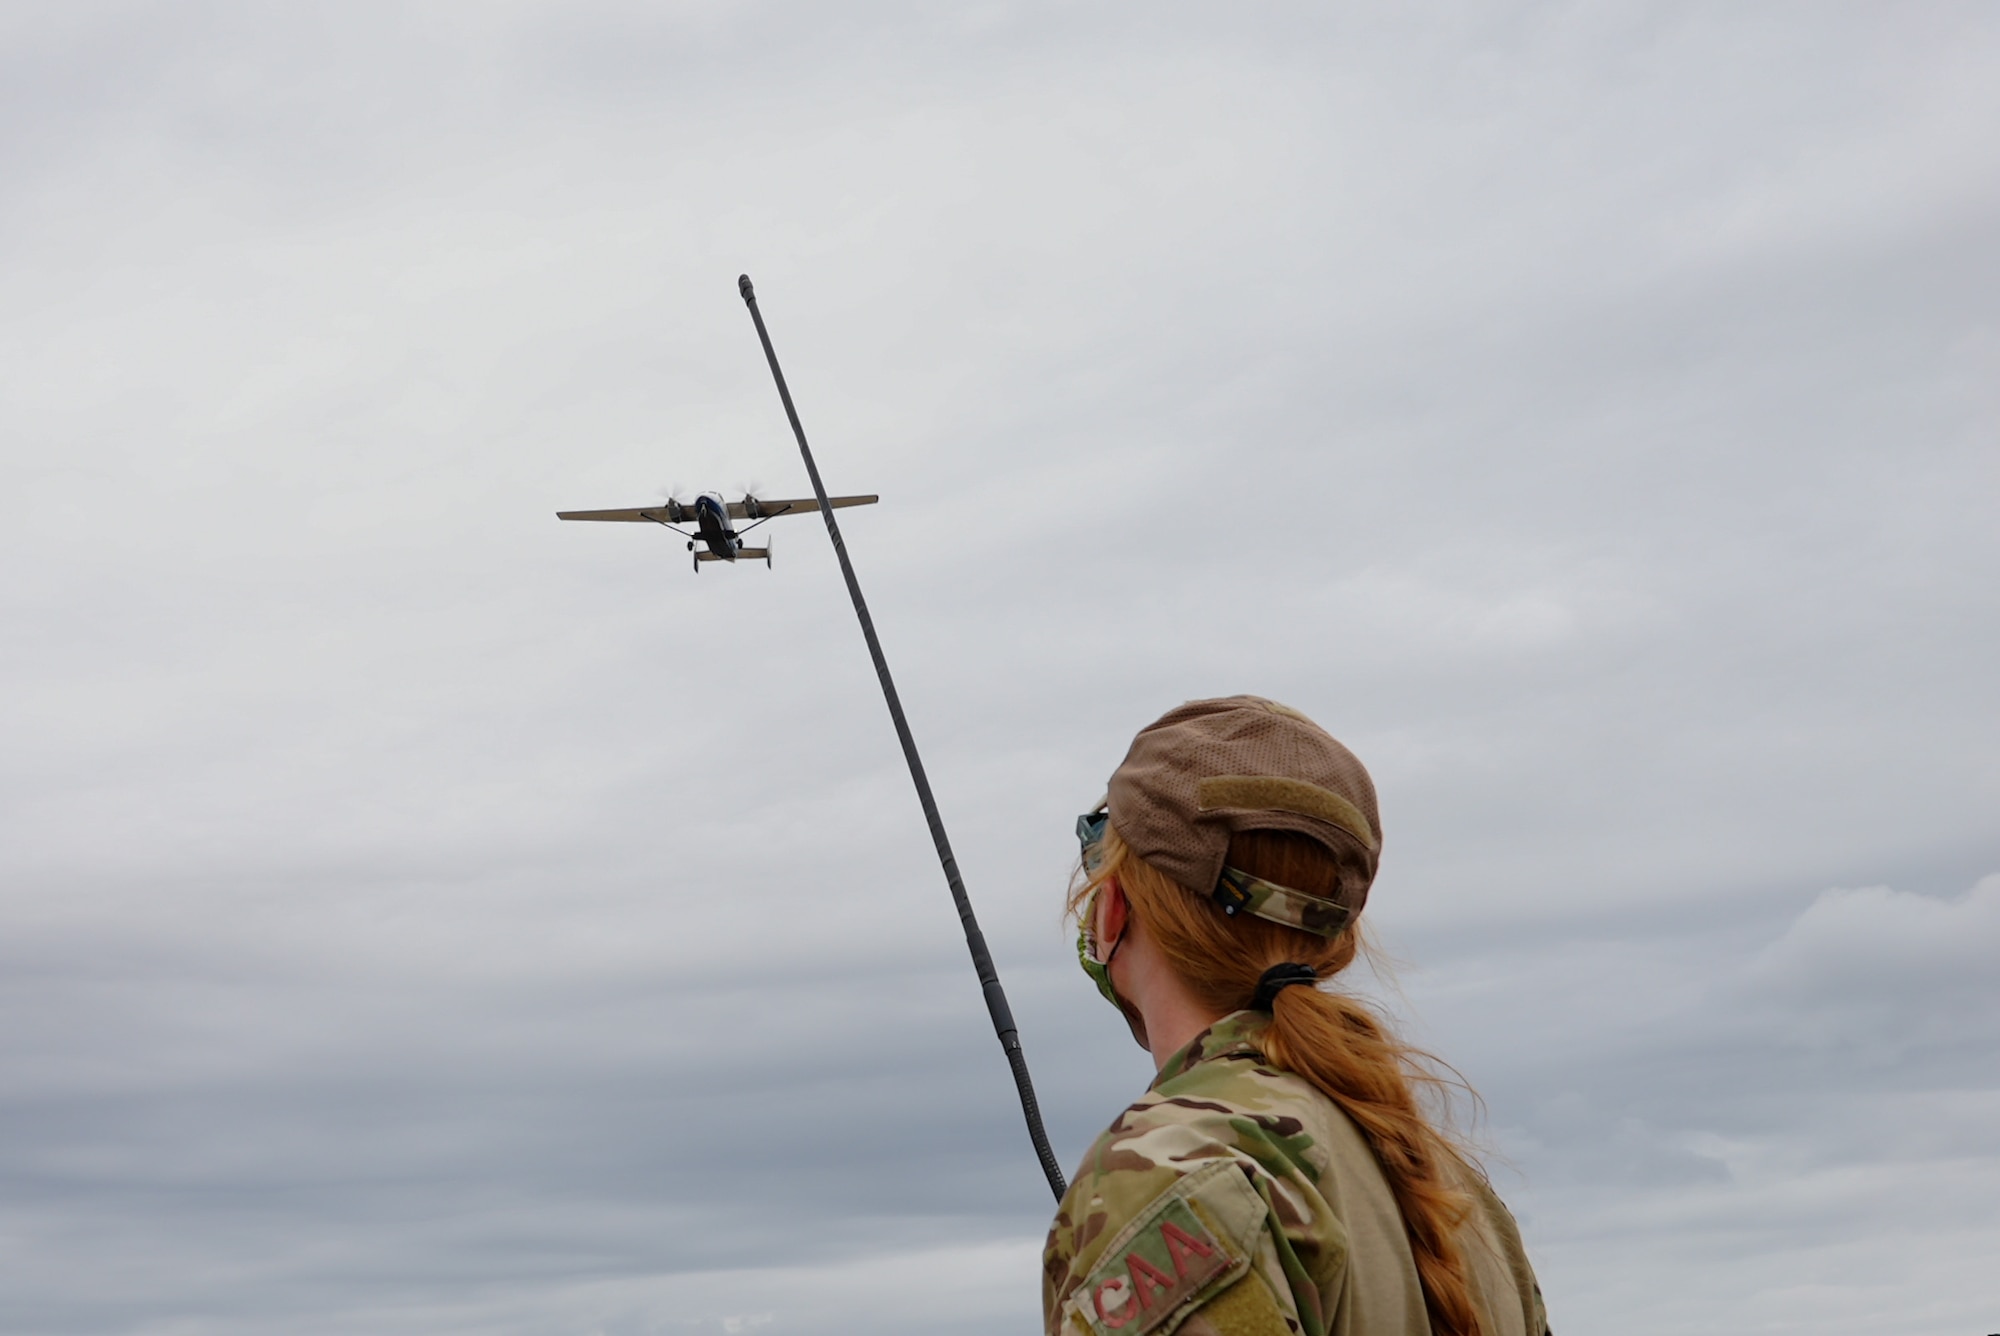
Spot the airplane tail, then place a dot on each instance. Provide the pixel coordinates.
(762, 554)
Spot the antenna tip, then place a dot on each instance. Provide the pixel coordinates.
(743, 286)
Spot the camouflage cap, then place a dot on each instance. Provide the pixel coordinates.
(1210, 768)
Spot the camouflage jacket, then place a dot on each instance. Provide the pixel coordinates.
(1235, 1199)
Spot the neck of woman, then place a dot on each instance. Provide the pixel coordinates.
(1172, 1015)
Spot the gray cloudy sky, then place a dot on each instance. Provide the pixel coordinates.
(418, 916)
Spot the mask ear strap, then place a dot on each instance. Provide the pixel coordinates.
(1112, 954)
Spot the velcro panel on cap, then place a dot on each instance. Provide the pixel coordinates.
(1267, 793)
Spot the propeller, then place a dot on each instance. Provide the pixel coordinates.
(672, 495)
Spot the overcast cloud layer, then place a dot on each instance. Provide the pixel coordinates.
(417, 915)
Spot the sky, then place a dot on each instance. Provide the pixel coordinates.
(421, 916)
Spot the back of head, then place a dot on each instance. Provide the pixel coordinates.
(1247, 839)
(1209, 770)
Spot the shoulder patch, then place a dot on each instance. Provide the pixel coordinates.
(1189, 1242)
(1246, 1308)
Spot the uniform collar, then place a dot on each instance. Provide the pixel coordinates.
(1238, 1033)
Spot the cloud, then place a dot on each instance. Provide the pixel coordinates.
(1753, 1107)
(416, 914)
(1880, 975)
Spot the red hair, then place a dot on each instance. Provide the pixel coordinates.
(1334, 1041)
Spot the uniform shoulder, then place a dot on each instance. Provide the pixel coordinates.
(1236, 1111)
(1511, 1277)
(1140, 1270)
(1149, 1149)
(1271, 1116)
(1198, 1115)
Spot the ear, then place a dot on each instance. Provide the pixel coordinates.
(1112, 912)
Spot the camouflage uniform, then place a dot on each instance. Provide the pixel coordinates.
(1237, 1200)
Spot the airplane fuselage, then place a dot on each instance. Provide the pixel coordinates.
(712, 519)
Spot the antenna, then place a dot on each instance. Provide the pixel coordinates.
(975, 941)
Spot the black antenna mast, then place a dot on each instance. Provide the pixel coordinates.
(975, 941)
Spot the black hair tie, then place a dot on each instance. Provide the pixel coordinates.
(1279, 977)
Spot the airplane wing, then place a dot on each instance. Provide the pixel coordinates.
(742, 510)
(638, 515)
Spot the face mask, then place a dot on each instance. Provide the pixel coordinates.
(1090, 830)
(1086, 954)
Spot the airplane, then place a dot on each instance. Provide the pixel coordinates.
(711, 516)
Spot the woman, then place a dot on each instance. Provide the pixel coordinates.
(1279, 1177)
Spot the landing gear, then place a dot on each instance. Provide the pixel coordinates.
(697, 561)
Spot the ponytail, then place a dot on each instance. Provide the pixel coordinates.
(1329, 1039)
(1333, 1042)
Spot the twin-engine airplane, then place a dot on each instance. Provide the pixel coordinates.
(711, 516)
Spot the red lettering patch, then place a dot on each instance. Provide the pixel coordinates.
(1145, 1284)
